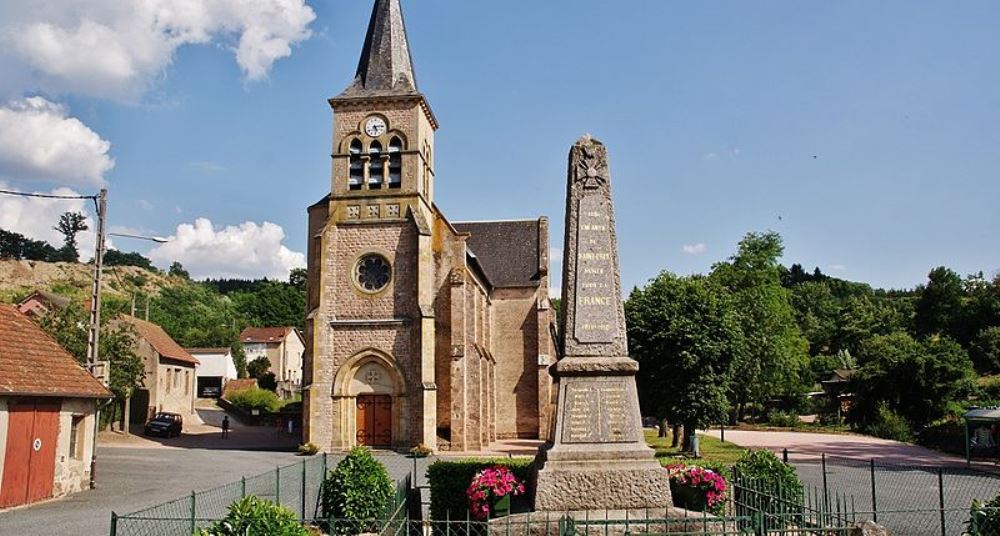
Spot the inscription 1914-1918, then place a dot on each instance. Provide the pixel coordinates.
(596, 315)
(596, 412)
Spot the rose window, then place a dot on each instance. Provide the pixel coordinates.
(373, 273)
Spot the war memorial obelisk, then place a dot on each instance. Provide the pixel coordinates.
(596, 457)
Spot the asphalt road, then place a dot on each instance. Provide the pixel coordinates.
(130, 479)
(905, 486)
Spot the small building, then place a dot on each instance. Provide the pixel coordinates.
(837, 388)
(47, 408)
(215, 370)
(982, 433)
(171, 373)
(40, 302)
(283, 347)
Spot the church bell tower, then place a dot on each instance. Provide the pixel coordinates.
(383, 139)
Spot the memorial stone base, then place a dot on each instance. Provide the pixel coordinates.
(599, 459)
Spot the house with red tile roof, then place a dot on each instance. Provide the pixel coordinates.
(283, 347)
(48, 403)
(171, 374)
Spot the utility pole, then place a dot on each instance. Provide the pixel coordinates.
(94, 330)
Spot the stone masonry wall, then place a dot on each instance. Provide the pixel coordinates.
(515, 348)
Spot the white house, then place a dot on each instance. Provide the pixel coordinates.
(216, 369)
(283, 347)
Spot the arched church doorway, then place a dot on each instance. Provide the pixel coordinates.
(373, 389)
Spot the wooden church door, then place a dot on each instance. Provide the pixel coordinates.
(374, 420)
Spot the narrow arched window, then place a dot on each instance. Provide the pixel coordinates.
(375, 170)
(357, 173)
(395, 163)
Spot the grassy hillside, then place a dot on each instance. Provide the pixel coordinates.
(20, 278)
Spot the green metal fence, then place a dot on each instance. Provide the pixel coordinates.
(755, 507)
(906, 498)
(295, 486)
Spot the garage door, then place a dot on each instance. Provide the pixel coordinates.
(30, 459)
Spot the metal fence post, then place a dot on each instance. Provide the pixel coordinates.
(941, 498)
(277, 485)
(114, 523)
(826, 489)
(192, 511)
(243, 487)
(413, 479)
(784, 455)
(871, 463)
(303, 497)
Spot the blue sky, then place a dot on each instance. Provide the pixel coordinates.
(865, 133)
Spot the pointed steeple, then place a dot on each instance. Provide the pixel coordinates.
(385, 68)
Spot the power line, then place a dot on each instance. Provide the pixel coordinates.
(47, 196)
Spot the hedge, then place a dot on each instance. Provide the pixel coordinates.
(450, 478)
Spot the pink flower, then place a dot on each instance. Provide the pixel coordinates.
(491, 484)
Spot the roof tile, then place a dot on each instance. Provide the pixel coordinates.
(33, 364)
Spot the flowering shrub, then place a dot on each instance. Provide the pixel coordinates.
(489, 485)
(697, 488)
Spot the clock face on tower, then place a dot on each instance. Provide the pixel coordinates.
(375, 127)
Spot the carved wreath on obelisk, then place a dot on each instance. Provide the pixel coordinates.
(592, 167)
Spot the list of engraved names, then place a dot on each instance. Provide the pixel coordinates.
(595, 412)
(596, 312)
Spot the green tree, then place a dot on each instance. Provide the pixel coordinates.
(177, 269)
(71, 224)
(17, 246)
(939, 308)
(683, 331)
(258, 367)
(195, 315)
(68, 326)
(272, 305)
(113, 257)
(865, 317)
(775, 354)
(982, 305)
(985, 351)
(816, 312)
(915, 379)
(297, 278)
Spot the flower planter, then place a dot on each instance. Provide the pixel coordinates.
(500, 507)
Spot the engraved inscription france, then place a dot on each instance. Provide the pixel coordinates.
(596, 313)
(596, 412)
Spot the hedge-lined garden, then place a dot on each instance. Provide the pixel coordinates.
(449, 481)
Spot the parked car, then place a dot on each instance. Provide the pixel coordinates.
(165, 424)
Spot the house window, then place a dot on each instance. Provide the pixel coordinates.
(177, 377)
(170, 379)
(357, 173)
(76, 437)
(395, 163)
(375, 171)
(187, 382)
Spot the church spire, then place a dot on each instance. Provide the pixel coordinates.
(385, 68)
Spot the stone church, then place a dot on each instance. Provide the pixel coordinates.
(419, 329)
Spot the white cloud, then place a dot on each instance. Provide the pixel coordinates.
(555, 255)
(40, 141)
(116, 49)
(36, 218)
(245, 251)
(144, 205)
(694, 249)
(838, 267)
